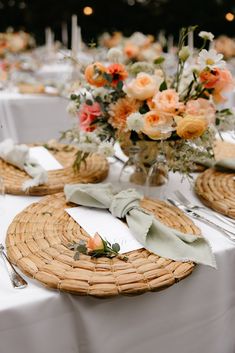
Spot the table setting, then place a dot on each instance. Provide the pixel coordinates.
(119, 235)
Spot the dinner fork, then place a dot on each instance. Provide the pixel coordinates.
(187, 203)
(16, 279)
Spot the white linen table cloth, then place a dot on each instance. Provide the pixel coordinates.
(28, 118)
(195, 315)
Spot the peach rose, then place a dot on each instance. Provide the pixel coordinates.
(94, 74)
(87, 114)
(144, 86)
(95, 243)
(131, 50)
(157, 126)
(191, 127)
(168, 102)
(201, 107)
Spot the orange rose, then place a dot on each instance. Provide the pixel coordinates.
(209, 78)
(224, 84)
(157, 126)
(94, 74)
(95, 243)
(118, 73)
(191, 127)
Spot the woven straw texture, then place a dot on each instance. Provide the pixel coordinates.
(217, 191)
(95, 170)
(37, 243)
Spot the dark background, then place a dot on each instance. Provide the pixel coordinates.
(148, 16)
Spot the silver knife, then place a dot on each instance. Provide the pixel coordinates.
(16, 279)
(227, 233)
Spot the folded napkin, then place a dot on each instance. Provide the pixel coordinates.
(226, 165)
(150, 232)
(18, 155)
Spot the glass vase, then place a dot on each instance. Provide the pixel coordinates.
(133, 173)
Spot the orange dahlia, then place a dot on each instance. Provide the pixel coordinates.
(120, 110)
(118, 73)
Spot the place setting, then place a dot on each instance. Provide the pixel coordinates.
(117, 177)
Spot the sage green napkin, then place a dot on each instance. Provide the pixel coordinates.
(226, 165)
(149, 231)
(19, 156)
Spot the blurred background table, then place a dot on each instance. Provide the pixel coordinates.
(27, 118)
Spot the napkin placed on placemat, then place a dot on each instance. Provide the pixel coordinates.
(19, 156)
(150, 232)
(226, 165)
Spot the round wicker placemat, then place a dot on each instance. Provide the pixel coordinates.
(95, 170)
(36, 243)
(217, 191)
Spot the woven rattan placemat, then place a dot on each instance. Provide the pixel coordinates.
(36, 243)
(217, 191)
(95, 170)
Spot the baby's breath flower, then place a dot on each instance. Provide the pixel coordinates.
(135, 122)
(106, 149)
(72, 108)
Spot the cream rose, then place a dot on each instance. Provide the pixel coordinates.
(191, 127)
(144, 86)
(157, 126)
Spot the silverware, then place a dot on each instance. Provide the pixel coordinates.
(197, 216)
(118, 159)
(16, 279)
(187, 203)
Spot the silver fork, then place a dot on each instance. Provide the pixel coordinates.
(187, 203)
(16, 279)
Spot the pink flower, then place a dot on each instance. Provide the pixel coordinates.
(201, 107)
(87, 114)
(167, 101)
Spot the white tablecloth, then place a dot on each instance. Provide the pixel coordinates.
(32, 118)
(195, 315)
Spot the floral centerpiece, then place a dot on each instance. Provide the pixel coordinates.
(137, 47)
(15, 42)
(142, 104)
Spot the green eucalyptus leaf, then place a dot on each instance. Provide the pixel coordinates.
(76, 256)
(163, 86)
(159, 60)
(116, 247)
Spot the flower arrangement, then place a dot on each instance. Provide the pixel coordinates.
(15, 42)
(225, 46)
(142, 102)
(137, 47)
